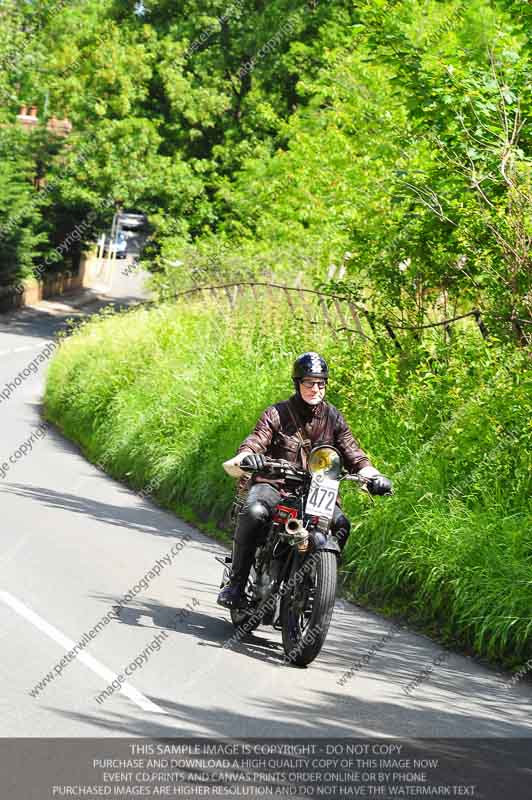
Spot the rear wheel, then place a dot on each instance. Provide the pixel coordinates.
(306, 610)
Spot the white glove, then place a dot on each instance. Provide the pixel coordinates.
(231, 466)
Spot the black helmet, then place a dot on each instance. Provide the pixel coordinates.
(310, 365)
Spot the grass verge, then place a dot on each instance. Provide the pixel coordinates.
(162, 397)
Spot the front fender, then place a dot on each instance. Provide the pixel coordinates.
(321, 541)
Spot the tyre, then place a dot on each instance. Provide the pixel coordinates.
(306, 610)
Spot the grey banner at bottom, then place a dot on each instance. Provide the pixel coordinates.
(486, 769)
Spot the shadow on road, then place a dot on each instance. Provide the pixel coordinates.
(142, 518)
(323, 710)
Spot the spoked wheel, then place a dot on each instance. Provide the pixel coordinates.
(240, 617)
(306, 610)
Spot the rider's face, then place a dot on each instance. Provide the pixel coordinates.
(312, 390)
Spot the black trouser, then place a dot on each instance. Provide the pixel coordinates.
(251, 526)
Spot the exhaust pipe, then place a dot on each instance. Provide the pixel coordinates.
(295, 528)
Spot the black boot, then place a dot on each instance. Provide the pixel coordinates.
(233, 594)
(341, 527)
(250, 521)
(342, 536)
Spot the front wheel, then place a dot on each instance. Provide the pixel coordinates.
(306, 610)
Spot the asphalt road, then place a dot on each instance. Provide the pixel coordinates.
(74, 542)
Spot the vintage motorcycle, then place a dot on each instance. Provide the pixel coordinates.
(292, 583)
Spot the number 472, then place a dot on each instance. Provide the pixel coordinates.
(319, 502)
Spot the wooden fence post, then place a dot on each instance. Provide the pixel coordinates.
(289, 301)
(214, 294)
(229, 297)
(325, 311)
(356, 319)
(307, 310)
(343, 320)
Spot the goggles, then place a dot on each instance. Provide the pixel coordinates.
(308, 383)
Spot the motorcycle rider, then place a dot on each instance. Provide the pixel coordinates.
(288, 430)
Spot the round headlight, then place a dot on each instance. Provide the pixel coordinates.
(325, 461)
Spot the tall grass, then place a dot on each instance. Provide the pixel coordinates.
(162, 397)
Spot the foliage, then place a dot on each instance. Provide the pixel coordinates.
(384, 137)
(21, 225)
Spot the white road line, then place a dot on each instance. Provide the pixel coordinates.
(24, 349)
(90, 662)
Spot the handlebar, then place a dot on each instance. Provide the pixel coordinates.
(356, 478)
(285, 468)
(280, 465)
(364, 484)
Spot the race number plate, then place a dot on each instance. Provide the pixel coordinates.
(322, 497)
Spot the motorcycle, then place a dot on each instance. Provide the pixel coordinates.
(292, 583)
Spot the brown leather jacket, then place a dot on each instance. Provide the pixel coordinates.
(275, 433)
